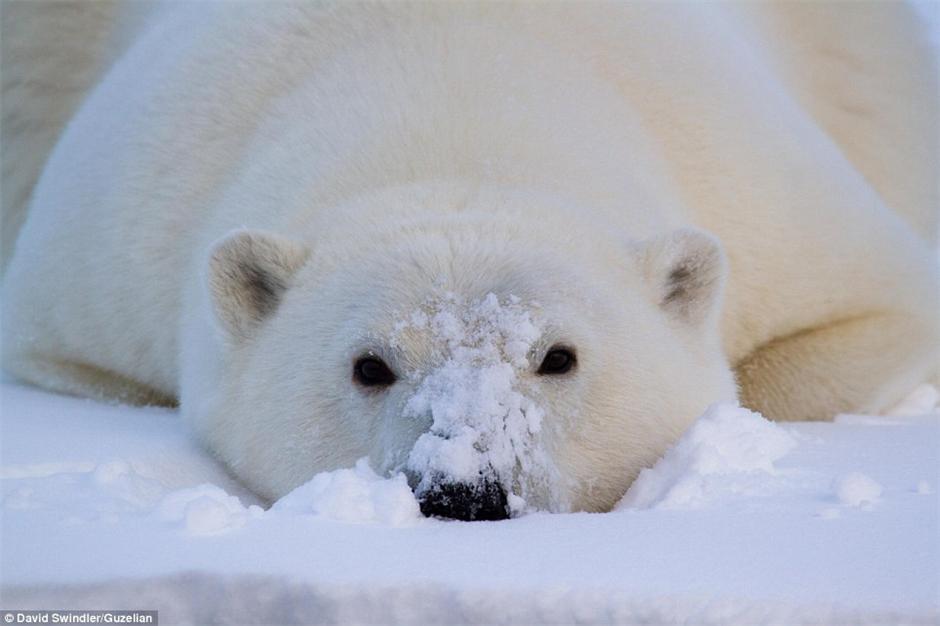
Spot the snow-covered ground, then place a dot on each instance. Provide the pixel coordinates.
(743, 521)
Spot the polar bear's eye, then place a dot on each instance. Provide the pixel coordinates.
(557, 361)
(371, 371)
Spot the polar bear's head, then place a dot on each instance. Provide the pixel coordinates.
(497, 372)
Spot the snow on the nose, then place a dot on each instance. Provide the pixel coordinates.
(482, 425)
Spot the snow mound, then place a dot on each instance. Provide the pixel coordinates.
(205, 510)
(923, 400)
(729, 450)
(856, 489)
(356, 495)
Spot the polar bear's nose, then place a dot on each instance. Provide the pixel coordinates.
(468, 502)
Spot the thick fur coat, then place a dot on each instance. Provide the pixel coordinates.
(703, 202)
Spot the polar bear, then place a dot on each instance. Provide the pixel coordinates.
(511, 251)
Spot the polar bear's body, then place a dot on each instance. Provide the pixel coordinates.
(382, 161)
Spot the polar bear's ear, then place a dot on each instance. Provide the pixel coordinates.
(249, 271)
(686, 271)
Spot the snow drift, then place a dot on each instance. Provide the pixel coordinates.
(742, 521)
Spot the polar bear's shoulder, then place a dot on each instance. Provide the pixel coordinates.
(868, 76)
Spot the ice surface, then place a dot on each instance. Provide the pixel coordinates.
(114, 506)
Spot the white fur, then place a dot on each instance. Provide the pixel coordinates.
(567, 156)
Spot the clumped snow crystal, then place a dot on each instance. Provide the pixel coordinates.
(353, 495)
(728, 450)
(118, 479)
(482, 425)
(923, 400)
(856, 489)
(205, 510)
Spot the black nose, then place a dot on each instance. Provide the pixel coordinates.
(484, 501)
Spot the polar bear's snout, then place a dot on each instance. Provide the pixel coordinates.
(484, 500)
(481, 444)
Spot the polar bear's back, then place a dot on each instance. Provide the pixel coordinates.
(774, 130)
(861, 77)
(805, 136)
(868, 74)
(864, 73)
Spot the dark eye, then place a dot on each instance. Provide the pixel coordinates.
(372, 371)
(557, 361)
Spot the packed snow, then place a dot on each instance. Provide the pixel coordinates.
(356, 495)
(856, 489)
(922, 400)
(205, 510)
(741, 521)
(728, 451)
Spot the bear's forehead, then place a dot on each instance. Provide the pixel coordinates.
(482, 330)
